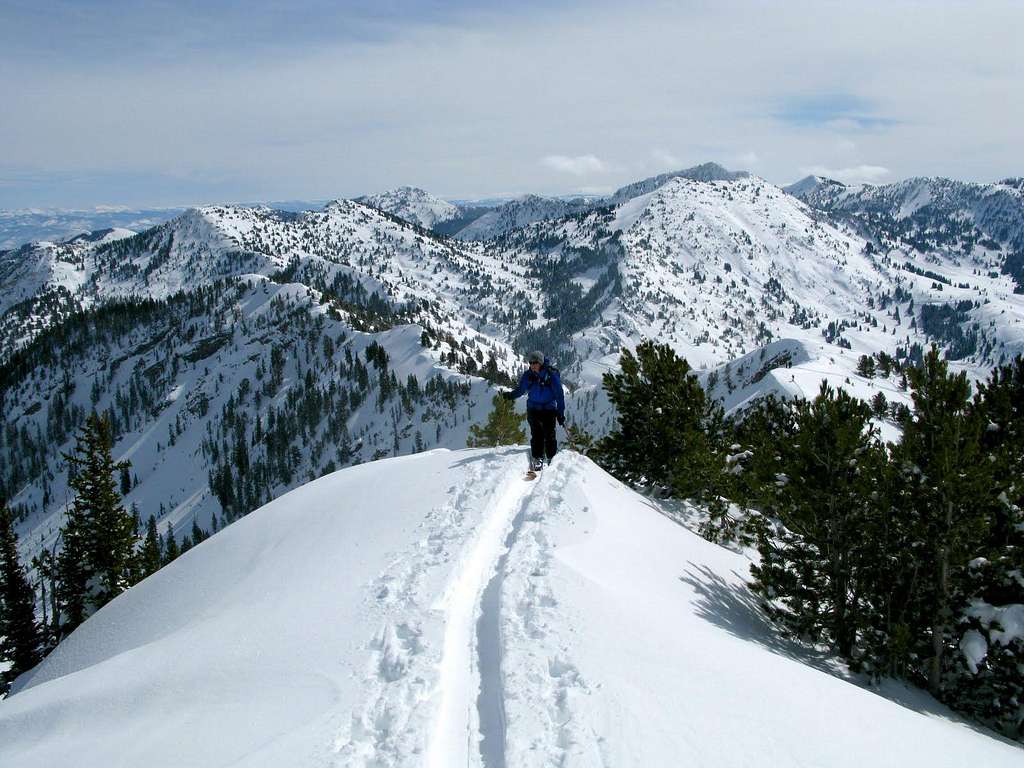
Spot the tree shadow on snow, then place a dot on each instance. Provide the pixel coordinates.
(735, 609)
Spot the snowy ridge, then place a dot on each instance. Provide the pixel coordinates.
(340, 625)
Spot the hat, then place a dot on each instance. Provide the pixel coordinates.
(536, 356)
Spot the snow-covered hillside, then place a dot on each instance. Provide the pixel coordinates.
(438, 610)
(415, 205)
(45, 265)
(270, 369)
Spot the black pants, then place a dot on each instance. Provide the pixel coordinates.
(542, 433)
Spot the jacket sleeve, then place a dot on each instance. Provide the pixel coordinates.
(520, 388)
(559, 393)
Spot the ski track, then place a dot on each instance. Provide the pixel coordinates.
(542, 686)
(474, 673)
(401, 669)
(422, 672)
(455, 738)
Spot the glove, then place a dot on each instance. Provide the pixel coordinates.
(507, 395)
(561, 420)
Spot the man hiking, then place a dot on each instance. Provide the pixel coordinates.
(545, 404)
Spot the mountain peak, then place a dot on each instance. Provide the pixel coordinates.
(703, 172)
(810, 184)
(414, 205)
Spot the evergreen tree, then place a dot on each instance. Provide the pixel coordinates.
(813, 561)
(879, 405)
(503, 426)
(669, 431)
(171, 550)
(991, 688)
(866, 366)
(578, 439)
(97, 562)
(946, 489)
(20, 637)
(152, 548)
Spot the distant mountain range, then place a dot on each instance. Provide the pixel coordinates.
(379, 326)
(18, 227)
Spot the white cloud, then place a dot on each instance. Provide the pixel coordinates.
(581, 165)
(857, 174)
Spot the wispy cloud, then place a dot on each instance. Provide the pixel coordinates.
(580, 165)
(858, 174)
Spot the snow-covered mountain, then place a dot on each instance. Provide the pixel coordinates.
(197, 330)
(39, 266)
(518, 213)
(720, 269)
(436, 610)
(21, 226)
(415, 205)
(346, 242)
(934, 215)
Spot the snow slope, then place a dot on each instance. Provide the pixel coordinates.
(438, 610)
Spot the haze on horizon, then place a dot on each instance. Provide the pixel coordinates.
(107, 102)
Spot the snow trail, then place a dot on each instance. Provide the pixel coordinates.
(457, 728)
(491, 701)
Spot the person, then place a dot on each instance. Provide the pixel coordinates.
(545, 405)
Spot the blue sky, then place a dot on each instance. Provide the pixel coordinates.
(165, 103)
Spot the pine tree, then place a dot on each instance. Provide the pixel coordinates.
(503, 426)
(669, 431)
(813, 561)
(97, 562)
(20, 636)
(171, 551)
(992, 688)
(866, 366)
(947, 492)
(152, 548)
(879, 405)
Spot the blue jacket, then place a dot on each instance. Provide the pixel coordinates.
(543, 389)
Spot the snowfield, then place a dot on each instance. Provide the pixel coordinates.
(439, 610)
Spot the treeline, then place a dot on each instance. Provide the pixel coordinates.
(103, 551)
(904, 558)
